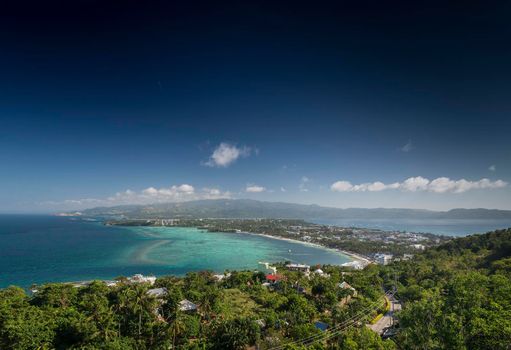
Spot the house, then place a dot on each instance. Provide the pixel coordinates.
(273, 278)
(298, 267)
(319, 272)
(138, 278)
(322, 326)
(220, 277)
(357, 265)
(186, 305)
(157, 292)
(345, 285)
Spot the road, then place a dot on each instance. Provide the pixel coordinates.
(388, 319)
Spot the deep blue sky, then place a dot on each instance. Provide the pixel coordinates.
(98, 97)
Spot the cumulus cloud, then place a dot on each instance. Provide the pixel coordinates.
(254, 189)
(419, 183)
(226, 154)
(150, 195)
(492, 167)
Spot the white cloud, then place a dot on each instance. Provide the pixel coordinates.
(341, 186)
(150, 195)
(282, 189)
(419, 183)
(407, 147)
(414, 184)
(303, 184)
(254, 189)
(226, 154)
(492, 167)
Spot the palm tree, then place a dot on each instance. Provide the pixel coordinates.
(176, 327)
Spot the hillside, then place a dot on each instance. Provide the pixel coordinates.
(455, 296)
(246, 208)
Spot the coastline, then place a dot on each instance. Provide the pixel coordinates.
(354, 256)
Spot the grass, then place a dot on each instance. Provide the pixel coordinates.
(235, 303)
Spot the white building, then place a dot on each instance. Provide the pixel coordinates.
(298, 267)
(383, 259)
(187, 306)
(138, 278)
(157, 292)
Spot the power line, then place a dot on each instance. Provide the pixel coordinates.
(335, 330)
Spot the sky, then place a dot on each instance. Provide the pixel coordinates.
(342, 104)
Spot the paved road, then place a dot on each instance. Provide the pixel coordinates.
(388, 318)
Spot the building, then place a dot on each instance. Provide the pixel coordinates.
(186, 305)
(321, 273)
(322, 326)
(298, 267)
(138, 278)
(157, 292)
(383, 259)
(346, 285)
(273, 278)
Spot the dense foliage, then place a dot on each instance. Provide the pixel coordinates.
(233, 313)
(456, 296)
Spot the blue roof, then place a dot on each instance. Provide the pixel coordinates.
(321, 326)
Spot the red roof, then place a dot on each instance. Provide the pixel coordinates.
(273, 277)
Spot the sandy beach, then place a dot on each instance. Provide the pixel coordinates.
(355, 257)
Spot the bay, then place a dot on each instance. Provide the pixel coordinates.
(39, 249)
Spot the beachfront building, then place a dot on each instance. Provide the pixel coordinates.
(139, 278)
(383, 259)
(299, 267)
(355, 264)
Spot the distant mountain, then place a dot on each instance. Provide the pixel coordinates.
(247, 208)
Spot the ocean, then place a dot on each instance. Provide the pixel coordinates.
(39, 249)
(447, 227)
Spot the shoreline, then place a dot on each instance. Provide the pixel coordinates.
(354, 256)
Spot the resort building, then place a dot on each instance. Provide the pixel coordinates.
(138, 278)
(383, 259)
(298, 267)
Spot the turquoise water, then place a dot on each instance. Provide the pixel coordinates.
(37, 249)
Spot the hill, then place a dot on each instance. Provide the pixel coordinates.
(247, 208)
